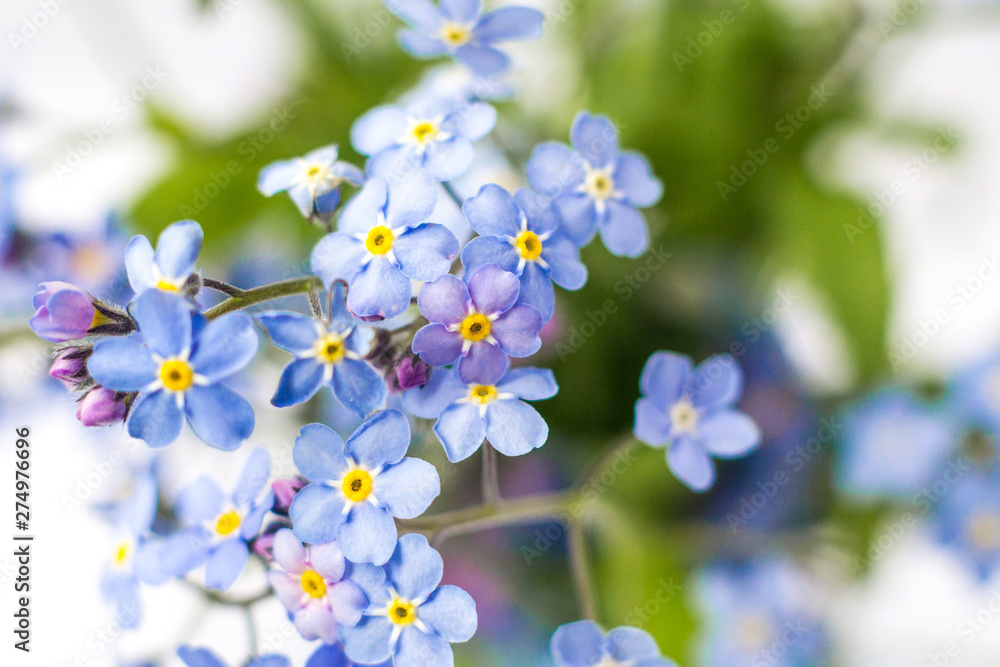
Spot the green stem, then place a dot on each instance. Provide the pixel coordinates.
(514, 512)
(491, 475)
(257, 295)
(580, 571)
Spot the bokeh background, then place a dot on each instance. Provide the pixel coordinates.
(829, 217)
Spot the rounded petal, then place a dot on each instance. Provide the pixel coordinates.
(421, 14)
(156, 418)
(328, 560)
(411, 199)
(316, 622)
(483, 60)
(361, 213)
(198, 657)
(461, 430)
(407, 488)
(441, 390)
(368, 534)
(691, 464)
(462, 11)
(717, 382)
(489, 250)
(509, 24)
(290, 552)
(624, 231)
(446, 300)
(418, 649)
(359, 386)
(291, 332)
(634, 177)
(219, 415)
(378, 129)
(596, 138)
(627, 643)
(277, 176)
(729, 434)
(449, 159)
(383, 438)
(338, 256)
(200, 500)
(436, 345)
(254, 477)
(415, 568)
(368, 642)
(226, 564)
(577, 217)
(299, 382)
(177, 249)
(328, 655)
(452, 613)
(224, 346)
(425, 252)
(577, 644)
(484, 364)
(420, 45)
(553, 169)
(537, 291)
(122, 364)
(652, 422)
(514, 428)
(530, 384)
(380, 289)
(474, 121)
(563, 258)
(319, 453)
(665, 376)
(517, 331)
(164, 321)
(492, 289)
(493, 212)
(317, 513)
(139, 264)
(348, 602)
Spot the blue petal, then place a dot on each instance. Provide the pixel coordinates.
(436, 345)
(483, 60)
(530, 384)
(451, 612)
(441, 390)
(514, 427)
(139, 264)
(421, 14)
(596, 138)
(317, 513)
(445, 300)
(122, 364)
(461, 431)
(728, 434)
(493, 212)
(415, 569)
(200, 501)
(537, 291)
(378, 129)
(419, 649)
(225, 346)
(198, 657)
(299, 382)
(691, 464)
(484, 364)
(652, 422)
(303, 198)
(368, 642)
(383, 438)
(165, 322)
(379, 290)
(368, 534)
(407, 488)
(517, 331)
(448, 159)
(394, 162)
(624, 231)
(177, 249)
(578, 644)
(253, 478)
(348, 172)
(252, 522)
(420, 45)
(340, 316)
(578, 217)
(490, 250)
(184, 551)
(492, 289)
(371, 580)
(715, 383)
(538, 209)
(461, 11)
(425, 252)
(361, 213)
(328, 655)
(473, 121)
(626, 644)
(634, 177)
(319, 453)
(290, 331)
(219, 415)
(411, 200)
(665, 376)
(338, 256)
(322, 154)
(563, 259)
(508, 24)
(226, 564)
(553, 169)
(156, 419)
(359, 386)
(278, 176)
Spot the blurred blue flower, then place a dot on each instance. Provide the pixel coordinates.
(975, 394)
(201, 657)
(467, 414)
(331, 353)
(595, 186)
(431, 134)
(220, 526)
(583, 644)
(332, 655)
(173, 262)
(409, 617)
(476, 324)
(312, 181)
(357, 488)
(892, 444)
(967, 519)
(689, 410)
(763, 612)
(178, 373)
(311, 586)
(459, 28)
(520, 233)
(383, 242)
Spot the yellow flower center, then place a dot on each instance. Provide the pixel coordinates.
(424, 132)
(455, 34)
(167, 286)
(482, 393)
(176, 375)
(599, 184)
(379, 240)
(357, 485)
(683, 416)
(227, 523)
(313, 584)
(983, 531)
(529, 245)
(122, 553)
(402, 612)
(475, 327)
(330, 348)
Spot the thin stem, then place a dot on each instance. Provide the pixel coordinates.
(621, 450)
(453, 193)
(219, 599)
(530, 509)
(251, 631)
(257, 295)
(580, 571)
(219, 286)
(491, 475)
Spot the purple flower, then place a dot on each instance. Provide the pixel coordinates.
(476, 324)
(64, 312)
(689, 410)
(311, 586)
(412, 372)
(285, 491)
(70, 366)
(101, 407)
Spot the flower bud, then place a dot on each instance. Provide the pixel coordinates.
(63, 312)
(101, 407)
(70, 366)
(412, 372)
(284, 493)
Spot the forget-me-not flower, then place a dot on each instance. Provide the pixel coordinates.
(332, 655)
(467, 414)
(357, 488)
(521, 234)
(312, 181)
(409, 617)
(595, 186)
(689, 410)
(476, 323)
(201, 657)
(383, 242)
(171, 264)
(583, 644)
(178, 374)
(967, 518)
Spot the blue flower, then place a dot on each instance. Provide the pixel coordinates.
(520, 233)
(312, 587)
(313, 181)
(221, 527)
(760, 612)
(178, 373)
(892, 444)
(459, 28)
(171, 265)
(690, 411)
(596, 186)
(967, 519)
(383, 242)
(409, 617)
(433, 135)
(356, 489)
(331, 352)
(975, 393)
(469, 413)
(476, 324)
(582, 644)
(200, 657)
(332, 655)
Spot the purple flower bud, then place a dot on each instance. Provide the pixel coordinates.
(284, 493)
(62, 312)
(412, 372)
(69, 367)
(100, 407)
